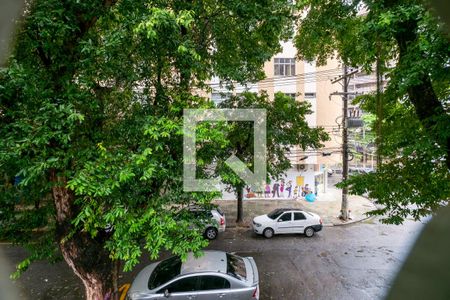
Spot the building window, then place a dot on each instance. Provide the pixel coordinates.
(310, 95)
(217, 98)
(292, 95)
(354, 112)
(284, 66)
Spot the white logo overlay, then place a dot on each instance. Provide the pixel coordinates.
(254, 179)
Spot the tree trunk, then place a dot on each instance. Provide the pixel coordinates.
(422, 95)
(90, 262)
(85, 255)
(240, 208)
(115, 280)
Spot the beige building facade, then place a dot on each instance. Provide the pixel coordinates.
(306, 82)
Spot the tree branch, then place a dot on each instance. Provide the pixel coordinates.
(422, 95)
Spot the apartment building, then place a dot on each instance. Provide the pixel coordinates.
(359, 84)
(305, 82)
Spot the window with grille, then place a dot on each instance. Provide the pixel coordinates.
(354, 112)
(284, 66)
(292, 95)
(217, 98)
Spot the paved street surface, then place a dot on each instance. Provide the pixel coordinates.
(354, 262)
(343, 262)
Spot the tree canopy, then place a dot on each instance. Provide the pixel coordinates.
(286, 128)
(91, 122)
(414, 52)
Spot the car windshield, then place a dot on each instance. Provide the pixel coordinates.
(164, 271)
(236, 266)
(275, 213)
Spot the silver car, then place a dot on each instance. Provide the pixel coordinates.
(213, 220)
(215, 275)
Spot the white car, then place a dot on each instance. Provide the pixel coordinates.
(215, 275)
(287, 220)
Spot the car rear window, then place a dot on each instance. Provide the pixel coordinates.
(203, 214)
(299, 216)
(164, 271)
(236, 266)
(219, 210)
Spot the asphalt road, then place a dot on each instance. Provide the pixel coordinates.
(347, 262)
(353, 262)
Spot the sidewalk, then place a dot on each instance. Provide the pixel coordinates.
(327, 206)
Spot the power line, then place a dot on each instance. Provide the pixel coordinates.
(292, 77)
(310, 76)
(314, 150)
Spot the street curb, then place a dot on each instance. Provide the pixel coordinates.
(361, 220)
(237, 227)
(353, 222)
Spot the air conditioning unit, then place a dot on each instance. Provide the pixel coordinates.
(301, 167)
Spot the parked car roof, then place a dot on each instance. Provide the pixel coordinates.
(211, 261)
(288, 209)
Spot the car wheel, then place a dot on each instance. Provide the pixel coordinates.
(309, 232)
(211, 233)
(268, 233)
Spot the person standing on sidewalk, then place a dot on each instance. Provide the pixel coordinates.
(275, 188)
(307, 189)
(316, 186)
(267, 191)
(289, 188)
(282, 189)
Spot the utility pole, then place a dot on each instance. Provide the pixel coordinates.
(379, 111)
(346, 79)
(344, 205)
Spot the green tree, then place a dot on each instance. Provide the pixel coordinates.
(414, 54)
(286, 128)
(91, 123)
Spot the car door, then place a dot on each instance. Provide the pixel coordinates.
(211, 287)
(182, 289)
(299, 222)
(284, 223)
